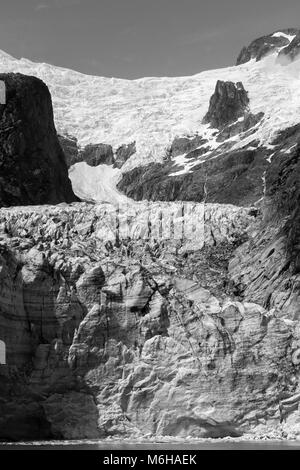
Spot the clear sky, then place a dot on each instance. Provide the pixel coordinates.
(136, 38)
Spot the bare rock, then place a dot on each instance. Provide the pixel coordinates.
(291, 52)
(70, 148)
(33, 168)
(228, 103)
(97, 154)
(123, 153)
(265, 45)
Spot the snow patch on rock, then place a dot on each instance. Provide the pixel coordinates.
(152, 111)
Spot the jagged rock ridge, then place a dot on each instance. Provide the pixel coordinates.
(261, 47)
(228, 103)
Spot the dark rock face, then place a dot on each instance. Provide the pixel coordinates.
(293, 237)
(290, 53)
(270, 262)
(232, 178)
(95, 154)
(182, 145)
(261, 47)
(123, 153)
(98, 154)
(228, 103)
(283, 190)
(240, 177)
(245, 126)
(32, 165)
(70, 147)
(283, 175)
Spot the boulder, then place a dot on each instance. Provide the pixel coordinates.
(97, 154)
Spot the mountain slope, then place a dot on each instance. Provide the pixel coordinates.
(149, 113)
(160, 318)
(152, 111)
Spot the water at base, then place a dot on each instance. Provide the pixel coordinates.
(193, 444)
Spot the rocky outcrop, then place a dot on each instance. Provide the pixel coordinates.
(268, 269)
(244, 126)
(98, 154)
(230, 113)
(228, 103)
(123, 153)
(282, 177)
(70, 148)
(182, 145)
(220, 175)
(265, 45)
(32, 165)
(95, 154)
(231, 178)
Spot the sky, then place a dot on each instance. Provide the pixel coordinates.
(138, 38)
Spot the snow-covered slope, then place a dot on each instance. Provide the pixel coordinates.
(96, 183)
(152, 111)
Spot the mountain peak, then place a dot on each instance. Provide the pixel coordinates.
(227, 104)
(274, 42)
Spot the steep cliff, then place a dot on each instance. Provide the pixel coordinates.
(228, 103)
(267, 268)
(127, 322)
(32, 165)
